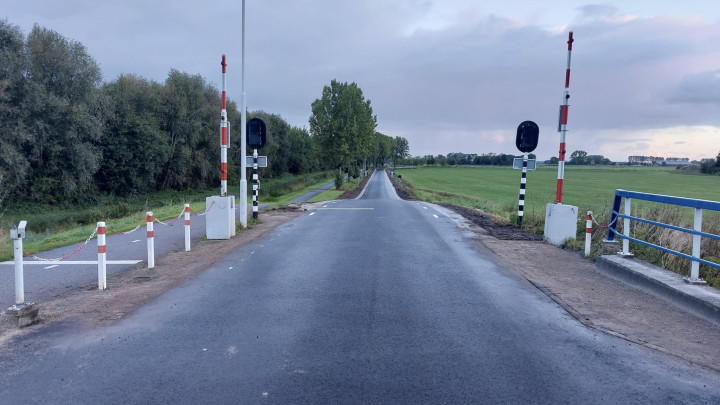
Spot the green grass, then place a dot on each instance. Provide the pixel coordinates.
(333, 194)
(591, 188)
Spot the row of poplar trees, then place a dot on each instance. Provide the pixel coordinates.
(67, 136)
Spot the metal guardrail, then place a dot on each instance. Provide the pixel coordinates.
(698, 205)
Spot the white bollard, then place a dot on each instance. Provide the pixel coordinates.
(150, 239)
(187, 227)
(19, 280)
(102, 256)
(588, 233)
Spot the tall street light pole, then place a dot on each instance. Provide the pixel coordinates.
(243, 134)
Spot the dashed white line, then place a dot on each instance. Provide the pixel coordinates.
(312, 213)
(50, 267)
(436, 216)
(136, 241)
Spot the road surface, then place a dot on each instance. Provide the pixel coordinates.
(375, 300)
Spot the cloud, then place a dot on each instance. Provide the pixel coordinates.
(699, 88)
(457, 75)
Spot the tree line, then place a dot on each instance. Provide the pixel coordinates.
(67, 136)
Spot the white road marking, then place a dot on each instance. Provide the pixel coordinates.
(50, 267)
(424, 207)
(136, 241)
(312, 213)
(230, 268)
(436, 216)
(348, 209)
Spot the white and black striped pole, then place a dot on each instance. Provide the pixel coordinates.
(526, 142)
(523, 182)
(255, 184)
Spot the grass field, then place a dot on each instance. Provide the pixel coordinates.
(496, 189)
(591, 188)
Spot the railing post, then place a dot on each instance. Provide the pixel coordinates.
(613, 218)
(150, 239)
(187, 227)
(695, 266)
(102, 256)
(626, 229)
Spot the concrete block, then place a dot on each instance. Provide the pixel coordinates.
(19, 316)
(560, 223)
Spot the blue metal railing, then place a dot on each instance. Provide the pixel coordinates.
(698, 205)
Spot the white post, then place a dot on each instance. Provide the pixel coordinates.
(243, 134)
(695, 266)
(626, 228)
(187, 227)
(150, 239)
(19, 280)
(588, 233)
(102, 259)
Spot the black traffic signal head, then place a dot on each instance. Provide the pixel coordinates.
(256, 133)
(527, 136)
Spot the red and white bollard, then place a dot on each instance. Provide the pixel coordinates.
(102, 256)
(588, 233)
(149, 218)
(187, 227)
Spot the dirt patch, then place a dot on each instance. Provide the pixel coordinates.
(492, 225)
(131, 289)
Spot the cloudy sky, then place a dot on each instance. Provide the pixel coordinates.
(450, 75)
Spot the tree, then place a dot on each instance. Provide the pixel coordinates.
(66, 116)
(343, 126)
(401, 149)
(135, 152)
(14, 137)
(579, 157)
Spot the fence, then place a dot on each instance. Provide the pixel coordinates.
(102, 261)
(697, 205)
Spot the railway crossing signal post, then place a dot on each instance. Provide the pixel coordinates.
(256, 135)
(526, 141)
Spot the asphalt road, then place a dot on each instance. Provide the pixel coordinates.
(375, 300)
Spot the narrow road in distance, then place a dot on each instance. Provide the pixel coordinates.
(375, 300)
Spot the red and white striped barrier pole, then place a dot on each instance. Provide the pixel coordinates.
(563, 125)
(223, 136)
(102, 256)
(588, 232)
(149, 218)
(187, 227)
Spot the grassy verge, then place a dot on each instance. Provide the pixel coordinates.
(495, 190)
